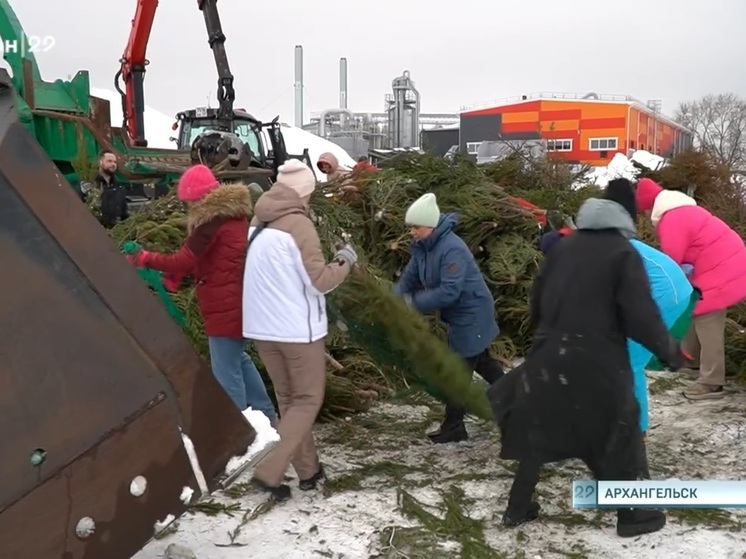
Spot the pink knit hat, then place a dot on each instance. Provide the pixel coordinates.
(647, 192)
(297, 175)
(196, 183)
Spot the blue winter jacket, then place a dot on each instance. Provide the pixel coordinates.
(443, 275)
(672, 293)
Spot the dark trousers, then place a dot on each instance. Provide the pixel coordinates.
(489, 369)
(623, 464)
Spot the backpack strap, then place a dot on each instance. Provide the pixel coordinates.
(258, 229)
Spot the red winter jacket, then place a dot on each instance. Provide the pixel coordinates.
(214, 254)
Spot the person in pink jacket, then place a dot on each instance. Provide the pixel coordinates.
(715, 257)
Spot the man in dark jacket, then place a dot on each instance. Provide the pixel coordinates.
(107, 196)
(574, 397)
(443, 276)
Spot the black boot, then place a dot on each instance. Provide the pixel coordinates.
(514, 517)
(452, 430)
(311, 483)
(631, 523)
(276, 493)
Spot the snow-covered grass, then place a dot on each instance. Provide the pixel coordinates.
(393, 494)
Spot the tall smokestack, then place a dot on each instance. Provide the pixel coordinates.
(342, 83)
(299, 85)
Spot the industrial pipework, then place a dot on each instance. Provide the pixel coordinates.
(404, 113)
(298, 85)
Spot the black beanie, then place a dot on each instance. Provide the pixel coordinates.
(622, 192)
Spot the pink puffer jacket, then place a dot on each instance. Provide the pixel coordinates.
(690, 234)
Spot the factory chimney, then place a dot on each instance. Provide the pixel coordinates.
(298, 85)
(342, 83)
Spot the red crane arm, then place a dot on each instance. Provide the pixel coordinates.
(132, 71)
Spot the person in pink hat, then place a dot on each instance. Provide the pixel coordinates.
(714, 256)
(214, 254)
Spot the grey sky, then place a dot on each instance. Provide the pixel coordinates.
(463, 52)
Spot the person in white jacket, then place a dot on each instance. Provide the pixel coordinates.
(284, 311)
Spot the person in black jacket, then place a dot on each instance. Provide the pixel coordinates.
(574, 397)
(107, 197)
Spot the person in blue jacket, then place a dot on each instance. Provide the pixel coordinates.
(672, 292)
(443, 276)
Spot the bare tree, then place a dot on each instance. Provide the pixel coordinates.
(719, 126)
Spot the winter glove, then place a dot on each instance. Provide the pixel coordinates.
(346, 254)
(139, 258)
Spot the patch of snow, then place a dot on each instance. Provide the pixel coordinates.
(161, 525)
(686, 440)
(621, 167)
(85, 527)
(138, 486)
(186, 495)
(647, 159)
(266, 437)
(157, 125)
(194, 461)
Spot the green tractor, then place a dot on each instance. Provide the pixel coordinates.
(73, 126)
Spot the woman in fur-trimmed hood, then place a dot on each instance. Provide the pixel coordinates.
(214, 254)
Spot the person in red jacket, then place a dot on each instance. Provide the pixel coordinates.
(214, 254)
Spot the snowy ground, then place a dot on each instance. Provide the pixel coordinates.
(391, 494)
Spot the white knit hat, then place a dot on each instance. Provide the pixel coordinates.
(424, 212)
(297, 175)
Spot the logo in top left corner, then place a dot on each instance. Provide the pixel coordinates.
(31, 44)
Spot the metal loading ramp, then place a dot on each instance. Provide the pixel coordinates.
(97, 382)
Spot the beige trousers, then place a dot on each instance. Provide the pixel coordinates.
(298, 373)
(705, 342)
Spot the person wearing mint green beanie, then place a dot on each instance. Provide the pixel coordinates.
(443, 276)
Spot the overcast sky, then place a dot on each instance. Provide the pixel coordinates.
(463, 52)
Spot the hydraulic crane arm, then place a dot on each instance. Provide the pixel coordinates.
(132, 72)
(216, 39)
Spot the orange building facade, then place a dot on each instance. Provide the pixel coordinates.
(580, 130)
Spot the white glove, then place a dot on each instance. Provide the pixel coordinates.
(346, 254)
(408, 300)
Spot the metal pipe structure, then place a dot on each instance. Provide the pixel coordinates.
(328, 112)
(343, 89)
(342, 83)
(404, 113)
(298, 85)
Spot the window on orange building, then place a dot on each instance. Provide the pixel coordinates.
(559, 145)
(603, 144)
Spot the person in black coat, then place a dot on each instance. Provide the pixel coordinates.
(573, 397)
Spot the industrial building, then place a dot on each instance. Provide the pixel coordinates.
(398, 126)
(579, 128)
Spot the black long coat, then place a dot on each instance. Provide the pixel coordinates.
(573, 397)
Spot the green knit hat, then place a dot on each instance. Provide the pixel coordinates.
(424, 212)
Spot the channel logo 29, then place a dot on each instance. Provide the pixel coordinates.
(31, 44)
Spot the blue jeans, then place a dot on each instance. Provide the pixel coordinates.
(239, 377)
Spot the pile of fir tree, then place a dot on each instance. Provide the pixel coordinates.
(376, 345)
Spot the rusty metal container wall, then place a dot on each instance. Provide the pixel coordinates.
(95, 378)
